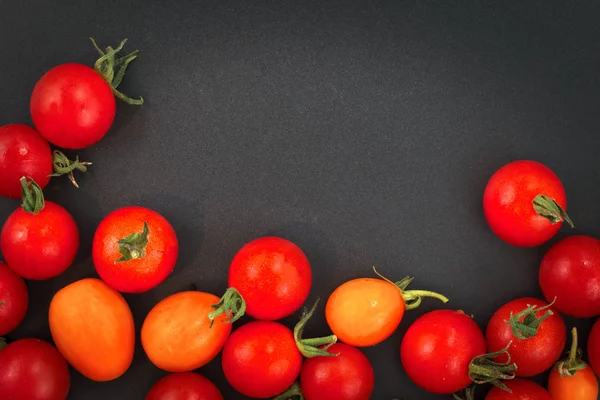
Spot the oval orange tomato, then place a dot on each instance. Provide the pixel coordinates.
(573, 378)
(92, 326)
(177, 335)
(366, 311)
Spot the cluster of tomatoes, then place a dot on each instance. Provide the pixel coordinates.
(135, 249)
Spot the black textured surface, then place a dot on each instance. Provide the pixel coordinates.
(363, 131)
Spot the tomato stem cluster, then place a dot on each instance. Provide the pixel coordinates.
(293, 391)
(133, 246)
(528, 327)
(232, 304)
(106, 65)
(483, 369)
(412, 298)
(469, 394)
(573, 363)
(548, 208)
(311, 347)
(63, 166)
(33, 197)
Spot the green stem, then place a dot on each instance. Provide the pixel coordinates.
(292, 392)
(548, 208)
(2, 343)
(133, 247)
(106, 64)
(469, 394)
(525, 324)
(312, 347)
(232, 304)
(33, 196)
(573, 363)
(483, 369)
(63, 166)
(412, 298)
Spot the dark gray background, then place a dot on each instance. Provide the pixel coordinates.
(363, 131)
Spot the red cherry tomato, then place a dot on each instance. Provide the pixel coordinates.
(261, 359)
(570, 272)
(437, 349)
(134, 249)
(593, 347)
(72, 106)
(273, 276)
(346, 376)
(40, 239)
(33, 369)
(23, 152)
(522, 389)
(184, 386)
(535, 352)
(515, 206)
(14, 299)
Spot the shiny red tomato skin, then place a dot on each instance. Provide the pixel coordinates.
(437, 349)
(261, 359)
(145, 273)
(184, 386)
(40, 246)
(14, 298)
(347, 376)
(593, 347)
(273, 276)
(533, 355)
(570, 272)
(522, 389)
(23, 152)
(72, 106)
(32, 369)
(508, 207)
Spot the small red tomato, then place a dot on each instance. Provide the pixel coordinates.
(522, 389)
(524, 203)
(23, 152)
(346, 376)
(14, 299)
(535, 331)
(32, 369)
(261, 359)
(40, 239)
(438, 348)
(593, 347)
(73, 106)
(570, 272)
(184, 386)
(273, 276)
(134, 249)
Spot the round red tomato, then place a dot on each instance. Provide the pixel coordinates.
(273, 276)
(438, 348)
(72, 106)
(593, 347)
(570, 272)
(535, 346)
(524, 203)
(33, 369)
(522, 389)
(40, 239)
(261, 359)
(346, 376)
(134, 249)
(184, 386)
(23, 152)
(14, 299)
